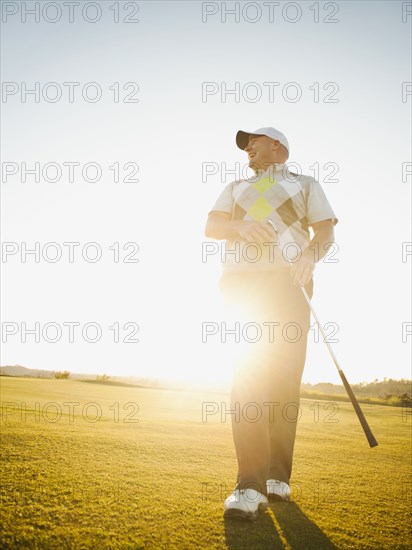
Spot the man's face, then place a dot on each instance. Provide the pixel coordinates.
(260, 152)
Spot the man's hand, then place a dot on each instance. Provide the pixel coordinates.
(256, 232)
(302, 270)
(220, 226)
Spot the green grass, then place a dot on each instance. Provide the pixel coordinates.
(160, 483)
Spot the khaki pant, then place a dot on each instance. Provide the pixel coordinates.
(266, 385)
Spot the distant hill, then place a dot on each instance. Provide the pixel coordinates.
(386, 387)
(22, 372)
(388, 391)
(18, 370)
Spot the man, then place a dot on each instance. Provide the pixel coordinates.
(262, 271)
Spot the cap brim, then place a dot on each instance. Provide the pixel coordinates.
(242, 138)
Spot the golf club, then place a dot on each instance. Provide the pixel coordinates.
(368, 432)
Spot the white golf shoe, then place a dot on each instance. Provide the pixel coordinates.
(277, 490)
(245, 504)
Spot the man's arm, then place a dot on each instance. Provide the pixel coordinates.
(219, 225)
(302, 270)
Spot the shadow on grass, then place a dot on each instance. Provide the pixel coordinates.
(290, 525)
(259, 534)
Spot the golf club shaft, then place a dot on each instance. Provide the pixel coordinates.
(368, 432)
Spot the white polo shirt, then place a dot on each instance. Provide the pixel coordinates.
(292, 202)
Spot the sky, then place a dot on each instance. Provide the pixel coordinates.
(148, 125)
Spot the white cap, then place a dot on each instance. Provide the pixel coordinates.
(242, 137)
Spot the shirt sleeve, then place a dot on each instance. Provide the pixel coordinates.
(225, 201)
(318, 207)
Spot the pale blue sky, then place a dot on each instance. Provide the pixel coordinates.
(169, 134)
